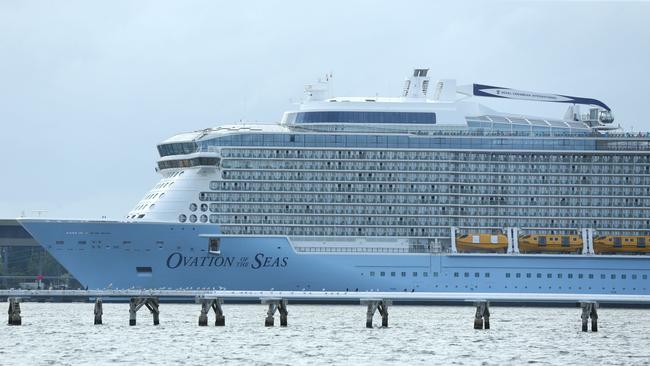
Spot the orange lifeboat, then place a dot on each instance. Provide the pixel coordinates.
(489, 243)
(621, 244)
(550, 243)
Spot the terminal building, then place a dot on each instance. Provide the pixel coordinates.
(25, 264)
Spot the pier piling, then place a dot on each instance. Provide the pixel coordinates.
(279, 305)
(377, 305)
(211, 304)
(151, 303)
(98, 311)
(482, 316)
(14, 311)
(589, 311)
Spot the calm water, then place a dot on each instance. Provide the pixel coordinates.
(319, 334)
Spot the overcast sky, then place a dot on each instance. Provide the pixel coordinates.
(88, 88)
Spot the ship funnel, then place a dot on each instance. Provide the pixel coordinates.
(417, 85)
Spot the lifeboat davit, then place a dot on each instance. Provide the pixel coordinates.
(489, 243)
(550, 243)
(621, 244)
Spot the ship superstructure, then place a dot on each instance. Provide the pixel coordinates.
(423, 191)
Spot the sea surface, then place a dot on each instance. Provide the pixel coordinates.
(64, 334)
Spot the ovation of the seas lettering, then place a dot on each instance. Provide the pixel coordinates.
(177, 259)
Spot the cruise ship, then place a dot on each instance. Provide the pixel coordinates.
(428, 191)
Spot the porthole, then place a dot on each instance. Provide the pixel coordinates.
(193, 207)
(182, 218)
(213, 219)
(204, 207)
(204, 218)
(152, 206)
(192, 218)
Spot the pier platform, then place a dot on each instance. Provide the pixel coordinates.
(277, 301)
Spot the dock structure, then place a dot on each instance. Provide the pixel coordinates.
(482, 317)
(14, 311)
(374, 305)
(206, 306)
(99, 311)
(150, 302)
(589, 312)
(277, 301)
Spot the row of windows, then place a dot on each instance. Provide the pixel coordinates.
(590, 276)
(361, 117)
(403, 274)
(333, 231)
(194, 218)
(421, 142)
(477, 200)
(526, 128)
(437, 166)
(186, 163)
(289, 204)
(449, 156)
(399, 219)
(442, 231)
(177, 148)
(384, 209)
(259, 181)
(612, 276)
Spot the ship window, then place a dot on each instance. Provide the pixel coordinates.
(549, 275)
(403, 274)
(508, 275)
(476, 274)
(182, 218)
(415, 274)
(634, 277)
(570, 275)
(591, 276)
(382, 274)
(193, 207)
(580, 275)
(528, 275)
(143, 269)
(372, 273)
(455, 274)
(466, 274)
(613, 277)
(82, 242)
(518, 275)
(214, 245)
(623, 277)
(140, 216)
(539, 275)
(645, 277)
(392, 274)
(435, 274)
(559, 275)
(487, 274)
(602, 276)
(425, 274)
(192, 218)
